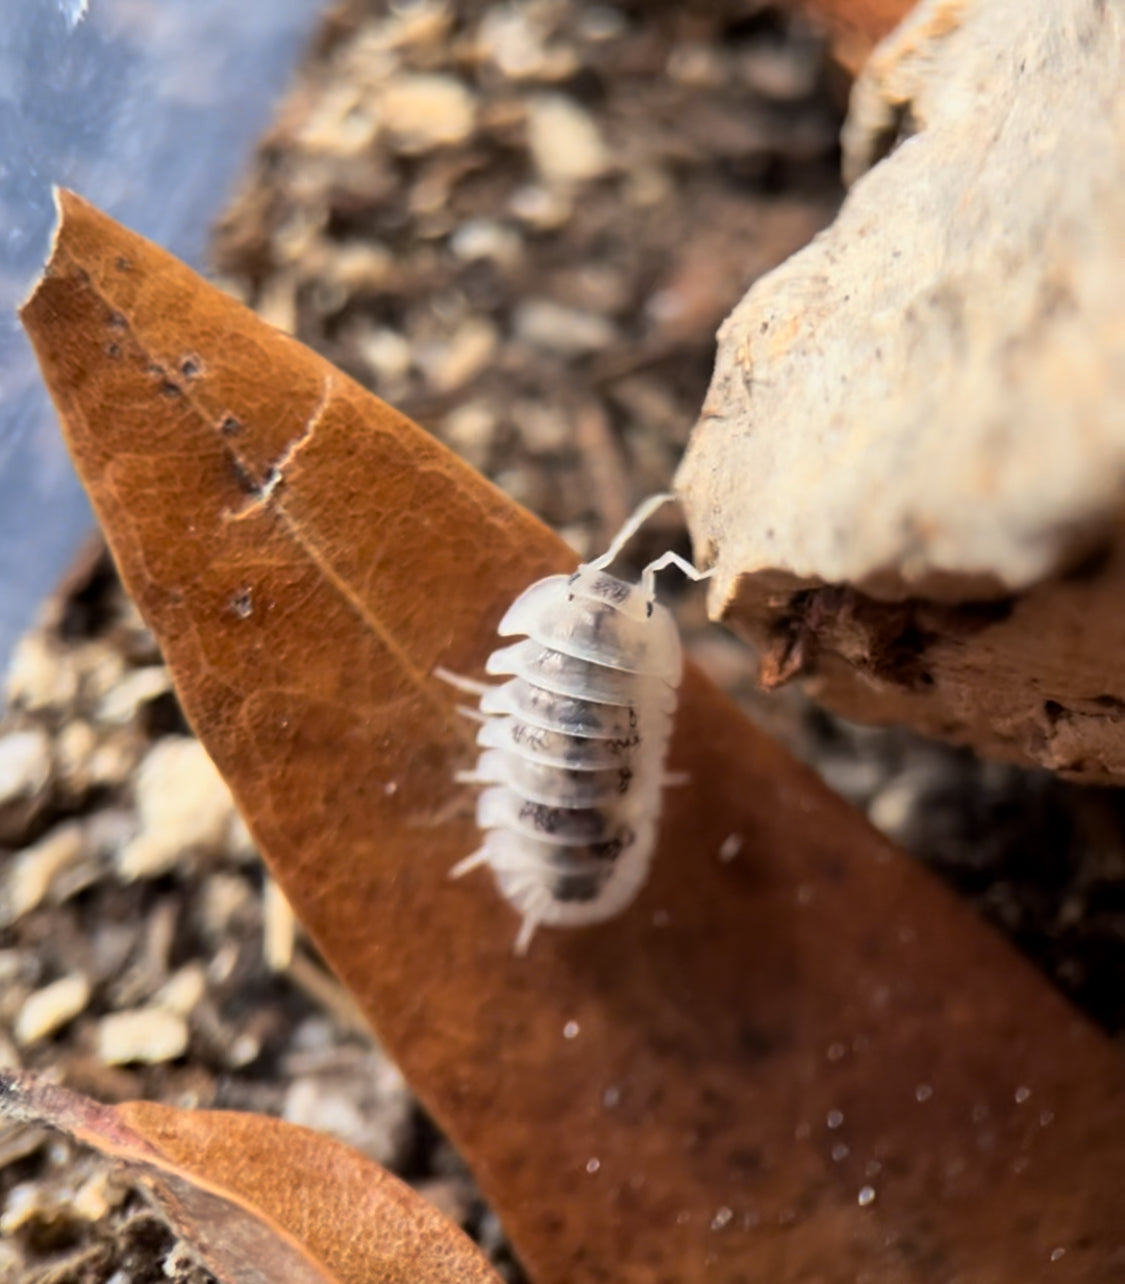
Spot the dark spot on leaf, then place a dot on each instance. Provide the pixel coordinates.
(244, 479)
(123, 264)
(1109, 702)
(753, 1042)
(190, 367)
(230, 426)
(113, 350)
(170, 389)
(1090, 566)
(242, 603)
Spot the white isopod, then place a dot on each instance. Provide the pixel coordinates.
(573, 744)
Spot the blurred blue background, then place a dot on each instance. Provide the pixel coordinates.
(148, 108)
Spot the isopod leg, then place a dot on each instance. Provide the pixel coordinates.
(478, 858)
(528, 928)
(456, 680)
(474, 715)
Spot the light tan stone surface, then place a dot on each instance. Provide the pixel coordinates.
(910, 467)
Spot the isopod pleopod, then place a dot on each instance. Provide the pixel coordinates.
(573, 743)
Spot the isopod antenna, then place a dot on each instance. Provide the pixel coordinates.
(648, 576)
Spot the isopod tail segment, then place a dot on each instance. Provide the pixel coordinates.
(573, 743)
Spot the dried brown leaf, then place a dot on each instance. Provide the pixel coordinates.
(260, 1200)
(805, 1062)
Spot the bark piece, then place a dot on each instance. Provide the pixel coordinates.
(910, 467)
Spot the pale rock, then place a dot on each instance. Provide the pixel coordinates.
(115, 758)
(545, 209)
(422, 112)
(601, 22)
(101, 667)
(279, 928)
(418, 24)
(461, 357)
(697, 65)
(240, 842)
(379, 1123)
(225, 898)
(46, 1010)
(148, 1036)
(484, 238)
(182, 804)
(386, 352)
(74, 747)
(565, 141)
(25, 763)
(342, 123)
(25, 773)
(183, 990)
(25, 1202)
(31, 873)
(470, 430)
(542, 426)
(40, 675)
(516, 39)
(277, 302)
(119, 706)
(909, 469)
(95, 1197)
(358, 265)
(569, 332)
(310, 1103)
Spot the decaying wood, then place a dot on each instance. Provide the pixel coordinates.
(795, 1057)
(910, 469)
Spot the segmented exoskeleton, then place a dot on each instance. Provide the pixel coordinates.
(573, 743)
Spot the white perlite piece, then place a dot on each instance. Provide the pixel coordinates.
(565, 141)
(909, 472)
(25, 764)
(182, 803)
(30, 874)
(44, 1011)
(426, 111)
(145, 1035)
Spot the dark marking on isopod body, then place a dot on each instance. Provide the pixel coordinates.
(571, 824)
(612, 848)
(529, 737)
(576, 887)
(613, 589)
